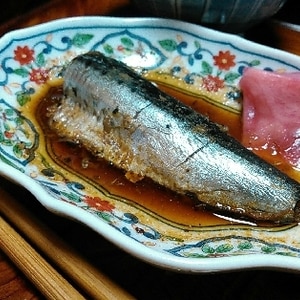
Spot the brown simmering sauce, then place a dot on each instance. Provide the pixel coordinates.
(166, 204)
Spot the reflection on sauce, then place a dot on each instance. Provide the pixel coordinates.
(148, 195)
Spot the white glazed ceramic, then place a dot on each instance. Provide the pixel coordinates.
(186, 52)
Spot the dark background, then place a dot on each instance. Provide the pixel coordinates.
(139, 278)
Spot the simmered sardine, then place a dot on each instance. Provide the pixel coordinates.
(123, 118)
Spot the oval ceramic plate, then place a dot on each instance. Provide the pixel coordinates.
(187, 56)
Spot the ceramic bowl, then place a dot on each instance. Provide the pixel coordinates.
(229, 15)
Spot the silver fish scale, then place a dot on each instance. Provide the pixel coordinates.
(170, 143)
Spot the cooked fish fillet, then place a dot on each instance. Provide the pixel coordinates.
(123, 118)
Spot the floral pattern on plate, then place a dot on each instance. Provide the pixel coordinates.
(198, 61)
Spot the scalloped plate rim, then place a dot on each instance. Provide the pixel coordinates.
(163, 260)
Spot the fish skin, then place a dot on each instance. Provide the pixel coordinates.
(125, 119)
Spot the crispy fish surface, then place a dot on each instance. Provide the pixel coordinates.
(121, 117)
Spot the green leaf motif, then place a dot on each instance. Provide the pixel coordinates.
(6, 126)
(40, 60)
(208, 249)
(7, 143)
(195, 255)
(286, 253)
(127, 42)
(18, 151)
(80, 40)
(21, 72)
(268, 249)
(246, 245)
(23, 98)
(206, 68)
(105, 216)
(254, 63)
(231, 77)
(108, 49)
(9, 112)
(71, 196)
(168, 45)
(224, 248)
(197, 44)
(19, 121)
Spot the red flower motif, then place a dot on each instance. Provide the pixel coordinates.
(224, 60)
(98, 203)
(120, 48)
(24, 55)
(8, 134)
(39, 76)
(213, 83)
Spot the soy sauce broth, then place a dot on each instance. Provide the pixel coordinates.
(166, 204)
(179, 209)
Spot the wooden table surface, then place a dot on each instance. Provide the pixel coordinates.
(140, 279)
